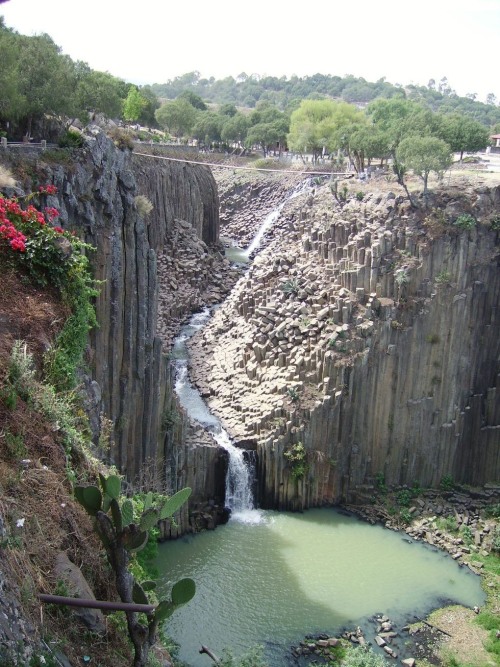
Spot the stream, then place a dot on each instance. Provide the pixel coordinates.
(269, 578)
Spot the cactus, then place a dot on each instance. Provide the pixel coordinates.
(138, 594)
(116, 513)
(114, 523)
(148, 585)
(134, 540)
(183, 591)
(148, 501)
(172, 504)
(127, 512)
(90, 497)
(112, 486)
(149, 519)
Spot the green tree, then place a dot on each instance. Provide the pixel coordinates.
(463, 134)
(424, 155)
(133, 105)
(208, 126)
(100, 92)
(319, 125)
(178, 117)
(11, 100)
(193, 99)
(399, 118)
(235, 128)
(147, 115)
(46, 79)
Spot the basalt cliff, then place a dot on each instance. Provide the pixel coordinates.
(367, 330)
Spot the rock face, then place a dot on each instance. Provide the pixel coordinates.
(154, 270)
(369, 333)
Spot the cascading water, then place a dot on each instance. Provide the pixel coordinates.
(240, 471)
(241, 465)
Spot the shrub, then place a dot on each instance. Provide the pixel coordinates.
(297, 456)
(495, 222)
(404, 498)
(465, 221)
(446, 483)
(144, 205)
(71, 139)
(360, 195)
(290, 286)
(443, 276)
(122, 139)
(361, 656)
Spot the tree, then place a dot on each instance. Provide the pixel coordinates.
(133, 105)
(178, 117)
(491, 98)
(399, 118)
(423, 155)
(122, 534)
(319, 125)
(100, 92)
(45, 78)
(207, 127)
(235, 128)
(463, 134)
(193, 99)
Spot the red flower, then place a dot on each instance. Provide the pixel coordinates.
(47, 189)
(59, 230)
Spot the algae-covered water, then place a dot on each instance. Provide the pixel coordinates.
(268, 578)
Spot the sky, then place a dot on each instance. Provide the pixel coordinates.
(152, 41)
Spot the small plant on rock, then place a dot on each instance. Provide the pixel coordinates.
(297, 457)
(465, 222)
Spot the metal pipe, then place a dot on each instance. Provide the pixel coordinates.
(97, 604)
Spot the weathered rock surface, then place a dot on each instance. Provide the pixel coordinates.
(368, 332)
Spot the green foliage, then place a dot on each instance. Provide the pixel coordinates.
(296, 455)
(58, 408)
(493, 511)
(449, 524)
(122, 139)
(290, 286)
(495, 543)
(495, 223)
(466, 534)
(293, 394)
(251, 658)
(443, 276)
(63, 360)
(433, 339)
(404, 498)
(71, 139)
(424, 154)
(447, 483)
(380, 482)
(405, 516)
(465, 222)
(361, 656)
(360, 195)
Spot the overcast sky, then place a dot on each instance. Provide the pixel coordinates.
(151, 41)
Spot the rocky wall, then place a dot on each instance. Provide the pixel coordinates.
(369, 333)
(128, 378)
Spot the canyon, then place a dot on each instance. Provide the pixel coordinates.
(366, 329)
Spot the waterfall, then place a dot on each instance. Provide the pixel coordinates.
(241, 468)
(241, 464)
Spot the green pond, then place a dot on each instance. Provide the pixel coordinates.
(269, 578)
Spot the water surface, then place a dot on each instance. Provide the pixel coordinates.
(268, 578)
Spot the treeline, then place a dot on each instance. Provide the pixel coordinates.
(41, 89)
(283, 92)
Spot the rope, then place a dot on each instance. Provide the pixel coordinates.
(229, 166)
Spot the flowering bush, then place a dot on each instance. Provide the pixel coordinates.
(30, 240)
(49, 255)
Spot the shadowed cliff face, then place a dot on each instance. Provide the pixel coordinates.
(129, 378)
